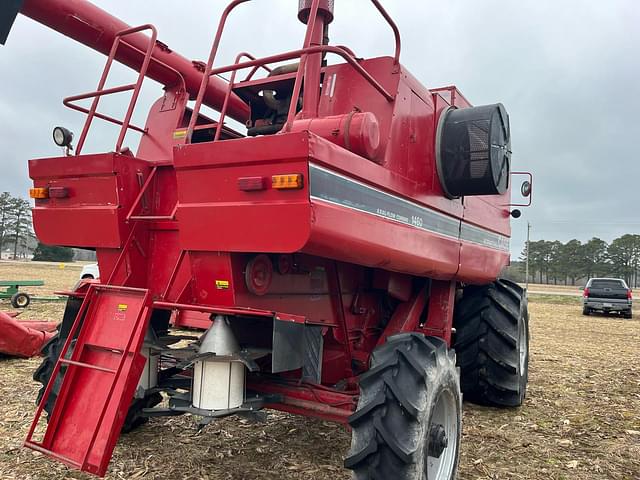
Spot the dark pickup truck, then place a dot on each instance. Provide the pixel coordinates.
(608, 295)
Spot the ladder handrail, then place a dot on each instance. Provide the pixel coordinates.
(261, 62)
(346, 53)
(56, 368)
(135, 87)
(143, 190)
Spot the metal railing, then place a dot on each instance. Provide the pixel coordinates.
(135, 87)
(302, 53)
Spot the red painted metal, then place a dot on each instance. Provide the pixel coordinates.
(306, 399)
(42, 326)
(91, 407)
(23, 339)
(439, 318)
(358, 132)
(207, 70)
(220, 310)
(407, 315)
(135, 87)
(190, 216)
(346, 55)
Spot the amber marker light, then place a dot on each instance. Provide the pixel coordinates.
(290, 181)
(39, 193)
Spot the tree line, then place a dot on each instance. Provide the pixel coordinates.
(16, 230)
(557, 262)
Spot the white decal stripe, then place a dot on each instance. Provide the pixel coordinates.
(332, 187)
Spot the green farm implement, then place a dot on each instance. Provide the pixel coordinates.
(10, 289)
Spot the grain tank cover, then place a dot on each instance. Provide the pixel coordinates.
(474, 151)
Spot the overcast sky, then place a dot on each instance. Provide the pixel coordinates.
(568, 72)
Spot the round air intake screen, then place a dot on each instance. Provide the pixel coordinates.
(474, 151)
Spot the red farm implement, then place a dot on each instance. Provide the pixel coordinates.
(23, 339)
(340, 258)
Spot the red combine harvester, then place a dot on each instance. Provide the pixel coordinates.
(340, 258)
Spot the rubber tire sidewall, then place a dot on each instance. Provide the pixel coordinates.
(16, 296)
(447, 382)
(523, 322)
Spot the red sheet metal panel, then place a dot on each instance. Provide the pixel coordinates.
(216, 215)
(100, 189)
(23, 339)
(100, 380)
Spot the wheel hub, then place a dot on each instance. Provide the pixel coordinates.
(438, 440)
(522, 345)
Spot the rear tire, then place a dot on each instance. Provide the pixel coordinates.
(586, 311)
(629, 314)
(408, 422)
(492, 343)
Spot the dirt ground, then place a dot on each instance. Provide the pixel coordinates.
(581, 419)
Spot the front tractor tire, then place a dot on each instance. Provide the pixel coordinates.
(408, 422)
(492, 343)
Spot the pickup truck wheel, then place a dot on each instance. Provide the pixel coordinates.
(408, 422)
(629, 314)
(586, 311)
(492, 343)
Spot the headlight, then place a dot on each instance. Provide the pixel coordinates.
(62, 136)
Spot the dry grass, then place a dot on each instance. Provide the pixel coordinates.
(581, 419)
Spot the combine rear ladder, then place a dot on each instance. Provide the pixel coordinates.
(100, 381)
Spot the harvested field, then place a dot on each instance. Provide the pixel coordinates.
(56, 276)
(581, 419)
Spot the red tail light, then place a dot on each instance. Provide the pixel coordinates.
(251, 184)
(586, 293)
(58, 192)
(629, 296)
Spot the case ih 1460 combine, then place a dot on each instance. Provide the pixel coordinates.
(340, 259)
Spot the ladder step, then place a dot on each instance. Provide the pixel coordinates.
(152, 218)
(86, 365)
(56, 456)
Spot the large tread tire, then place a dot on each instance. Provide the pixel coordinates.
(410, 379)
(50, 354)
(492, 343)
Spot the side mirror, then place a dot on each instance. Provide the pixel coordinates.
(526, 189)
